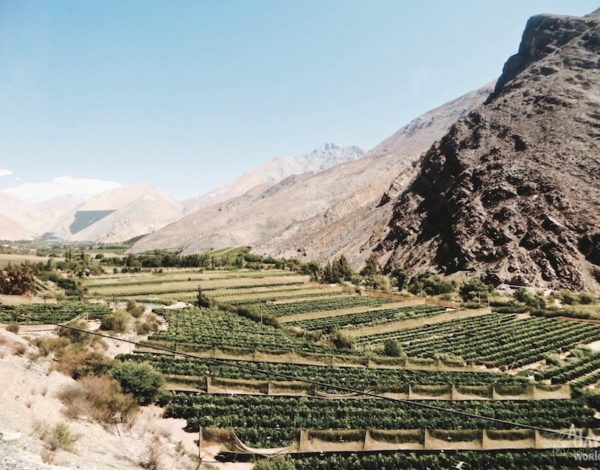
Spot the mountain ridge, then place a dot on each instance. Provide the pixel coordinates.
(511, 191)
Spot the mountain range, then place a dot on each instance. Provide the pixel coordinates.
(503, 182)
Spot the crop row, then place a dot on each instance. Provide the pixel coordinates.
(261, 299)
(532, 459)
(50, 313)
(515, 343)
(158, 278)
(497, 339)
(337, 303)
(272, 421)
(205, 284)
(211, 328)
(368, 318)
(357, 378)
(572, 370)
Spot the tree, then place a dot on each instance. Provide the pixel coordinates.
(429, 283)
(399, 277)
(140, 379)
(474, 290)
(17, 279)
(371, 266)
(202, 300)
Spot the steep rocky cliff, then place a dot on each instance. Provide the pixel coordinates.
(512, 191)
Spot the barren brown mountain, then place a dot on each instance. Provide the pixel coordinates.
(513, 189)
(316, 216)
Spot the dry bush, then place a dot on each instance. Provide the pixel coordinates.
(56, 437)
(149, 324)
(151, 459)
(117, 322)
(135, 310)
(79, 363)
(81, 337)
(12, 327)
(47, 345)
(99, 398)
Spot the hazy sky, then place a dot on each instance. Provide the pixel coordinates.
(189, 94)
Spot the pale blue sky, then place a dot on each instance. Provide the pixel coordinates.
(189, 94)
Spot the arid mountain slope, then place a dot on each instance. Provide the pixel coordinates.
(118, 215)
(317, 215)
(19, 220)
(276, 170)
(513, 190)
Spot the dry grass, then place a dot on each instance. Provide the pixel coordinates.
(99, 398)
(57, 437)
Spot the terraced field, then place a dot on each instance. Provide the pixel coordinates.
(243, 390)
(36, 314)
(497, 339)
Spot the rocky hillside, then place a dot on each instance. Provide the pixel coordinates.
(276, 170)
(513, 189)
(315, 215)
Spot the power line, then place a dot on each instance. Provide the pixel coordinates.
(409, 403)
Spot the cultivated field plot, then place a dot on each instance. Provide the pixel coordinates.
(284, 309)
(495, 339)
(578, 371)
(36, 314)
(178, 283)
(273, 421)
(213, 328)
(257, 388)
(367, 318)
(359, 378)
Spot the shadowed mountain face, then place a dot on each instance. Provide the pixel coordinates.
(513, 189)
(316, 215)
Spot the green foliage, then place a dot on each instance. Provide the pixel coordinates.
(531, 300)
(371, 267)
(17, 279)
(399, 278)
(142, 380)
(337, 271)
(202, 300)
(278, 463)
(474, 290)
(429, 283)
(393, 348)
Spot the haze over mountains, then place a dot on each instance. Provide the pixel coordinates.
(314, 215)
(503, 181)
(273, 171)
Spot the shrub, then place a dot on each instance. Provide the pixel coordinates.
(474, 290)
(78, 363)
(50, 344)
(140, 379)
(117, 322)
(99, 398)
(393, 348)
(429, 283)
(135, 310)
(57, 437)
(13, 328)
(342, 340)
(148, 325)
